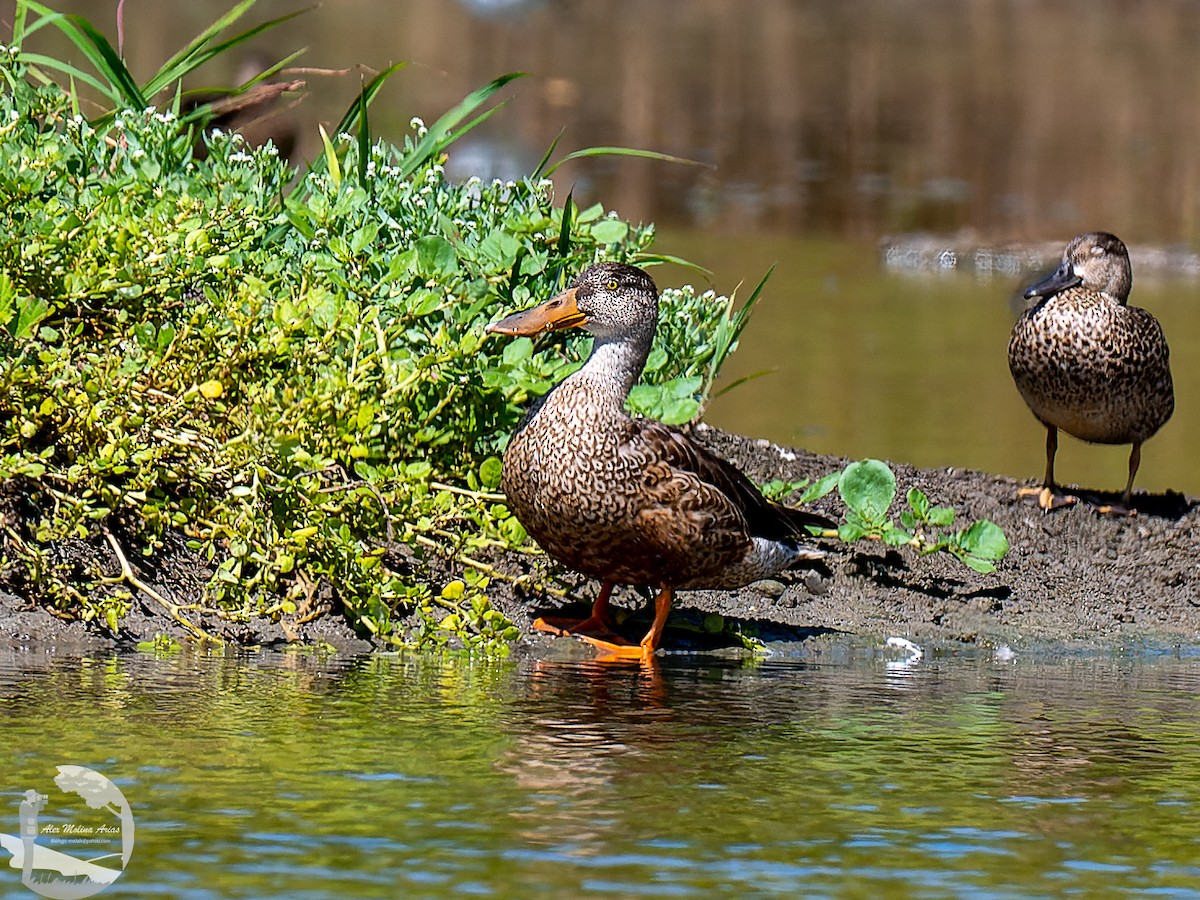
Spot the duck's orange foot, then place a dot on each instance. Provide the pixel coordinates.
(1117, 510)
(1048, 498)
(596, 632)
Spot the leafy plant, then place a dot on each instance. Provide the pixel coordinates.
(287, 373)
(868, 490)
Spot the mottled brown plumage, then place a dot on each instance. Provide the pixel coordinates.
(633, 501)
(1088, 363)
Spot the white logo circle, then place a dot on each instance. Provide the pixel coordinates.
(69, 850)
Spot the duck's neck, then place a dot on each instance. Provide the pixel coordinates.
(614, 366)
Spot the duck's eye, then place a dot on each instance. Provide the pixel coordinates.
(612, 285)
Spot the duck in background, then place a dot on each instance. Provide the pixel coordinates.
(1088, 363)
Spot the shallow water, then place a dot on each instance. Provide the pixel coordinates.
(832, 773)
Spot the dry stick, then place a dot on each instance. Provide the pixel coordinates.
(490, 571)
(131, 579)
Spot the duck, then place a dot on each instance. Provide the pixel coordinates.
(629, 500)
(1088, 363)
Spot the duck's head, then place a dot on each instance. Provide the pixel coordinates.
(1096, 261)
(609, 300)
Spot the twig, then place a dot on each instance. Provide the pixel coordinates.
(490, 571)
(476, 495)
(132, 580)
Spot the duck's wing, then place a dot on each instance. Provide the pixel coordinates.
(719, 481)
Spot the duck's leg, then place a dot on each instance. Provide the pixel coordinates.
(662, 608)
(599, 628)
(1048, 497)
(646, 649)
(1125, 508)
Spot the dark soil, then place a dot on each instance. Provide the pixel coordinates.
(1071, 576)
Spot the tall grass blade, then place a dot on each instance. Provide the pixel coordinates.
(108, 63)
(729, 329)
(331, 159)
(350, 120)
(439, 134)
(364, 143)
(197, 51)
(72, 73)
(623, 151)
(545, 161)
(564, 234)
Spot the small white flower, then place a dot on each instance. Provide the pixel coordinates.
(217, 133)
(240, 156)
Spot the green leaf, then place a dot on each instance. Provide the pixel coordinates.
(941, 515)
(489, 472)
(609, 231)
(820, 487)
(919, 502)
(679, 411)
(986, 540)
(517, 350)
(868, 487)
(850, 532)
(436, 258)
(896, 537)
(982, 566)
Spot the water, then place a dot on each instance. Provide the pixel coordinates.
(835, 773)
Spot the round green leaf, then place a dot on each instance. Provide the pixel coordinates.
(868, 487)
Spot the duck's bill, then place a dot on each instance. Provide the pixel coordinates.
(555, 314)
(1064, 277)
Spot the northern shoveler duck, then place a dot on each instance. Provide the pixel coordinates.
(630, 500)
(1088, 363)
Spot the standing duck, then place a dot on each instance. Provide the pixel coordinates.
(1088, 363)
(629, 500)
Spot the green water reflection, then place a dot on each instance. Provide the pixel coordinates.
(384, 777)
(867, 362)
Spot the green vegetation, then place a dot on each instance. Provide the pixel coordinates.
(868, 490)
(287, 372)
(290, 372)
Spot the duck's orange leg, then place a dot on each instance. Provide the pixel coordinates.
(599, 628)
(646, 649)
(599, 625)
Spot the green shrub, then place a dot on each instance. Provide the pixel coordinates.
(292, 378)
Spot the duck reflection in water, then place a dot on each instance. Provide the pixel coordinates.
(574, 764)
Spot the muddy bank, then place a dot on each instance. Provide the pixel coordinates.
(1071, 576)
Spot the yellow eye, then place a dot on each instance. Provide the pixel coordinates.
(612, 285)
